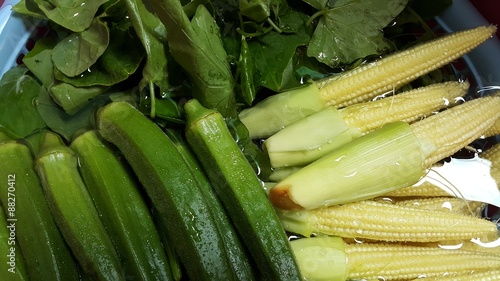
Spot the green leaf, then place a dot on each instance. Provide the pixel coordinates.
(29, 8)
(71, 99)
(39, 60)
(120, 60)
(18, 114)
(64, 124)
(113, 11)
(217, 81)
(274, 54)
(317, 4)
(166, 109)
(207, 31)
(198, 49)
(73, 15)
(257, 158)
(257, 10)
(153, 36)
(79, 51)
(245, 73)
(352, 29)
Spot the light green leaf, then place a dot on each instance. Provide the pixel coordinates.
(71, 98)
(79, 51)
(115, 65)
(73, 15)
(39, 61)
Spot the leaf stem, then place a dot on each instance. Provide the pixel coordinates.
(325, 11)
(316, 15)
(273, 25)
(152, 113)
(253, 34)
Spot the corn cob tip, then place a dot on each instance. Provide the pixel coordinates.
(280, 198)
(387, 74)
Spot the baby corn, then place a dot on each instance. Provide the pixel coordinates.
(329, 258)
(482, 275)
(404, 262)
(317, 134)
(449, 131)
(369, 166)
(493, 154)
(407, 106)
(425, 189)
(362, 83)
(428, 189)
(471, 245)
(398, 69)
(389, 158)
(493, 130)
(387, 222)
(444, 204)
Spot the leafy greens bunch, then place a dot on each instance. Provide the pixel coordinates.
(225, 53)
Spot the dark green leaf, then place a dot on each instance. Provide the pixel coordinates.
(274, 53)
(246, 72)
(317, 4)
(428, 9)
(79, 51)
(153, 36)
(113, 11)
(165, 108)
(73, 15)
(255, 156)
(352, 29)
(197, 47)
(64, 124)
(18, 114)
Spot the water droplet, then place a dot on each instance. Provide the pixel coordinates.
(447, 205)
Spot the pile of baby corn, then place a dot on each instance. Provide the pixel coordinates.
(347, 166)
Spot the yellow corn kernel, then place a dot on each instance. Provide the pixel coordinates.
(396, 70)
(493, 154)
(469, 245)
(493, 130)
(388, 261)
(331, 258)
(450, 130)
(444, 204)
(478, 275)
(387, 222)
(425, 189)
(407, 106)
